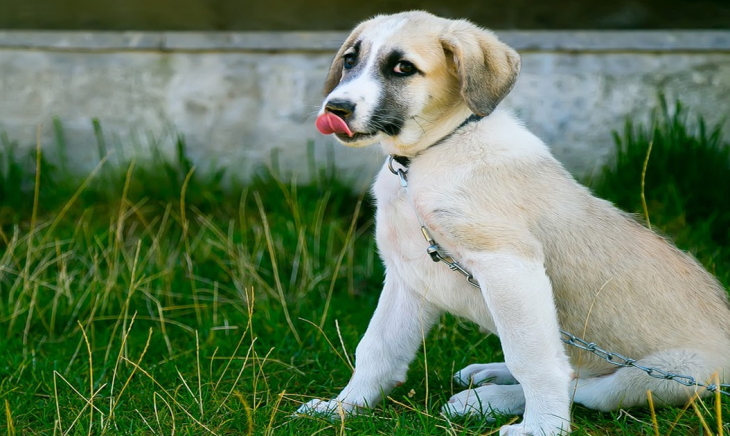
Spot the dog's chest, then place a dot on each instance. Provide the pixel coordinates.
(403, 247)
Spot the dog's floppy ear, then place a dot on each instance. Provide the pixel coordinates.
(335, 73)
(486, 67)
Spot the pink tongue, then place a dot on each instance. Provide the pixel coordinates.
(330, 123)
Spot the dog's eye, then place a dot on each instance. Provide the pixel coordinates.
(404, 68)
(349, 60)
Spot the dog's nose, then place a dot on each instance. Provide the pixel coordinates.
(341, 108)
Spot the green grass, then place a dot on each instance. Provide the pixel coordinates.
(686, 183)
(154, 299)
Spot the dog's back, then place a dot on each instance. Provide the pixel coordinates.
(606, 267)
(615, 282)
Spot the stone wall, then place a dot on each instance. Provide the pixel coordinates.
(238, 96)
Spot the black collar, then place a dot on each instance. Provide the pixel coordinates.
(405, 161)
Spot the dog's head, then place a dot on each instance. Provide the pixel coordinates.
(408, 79)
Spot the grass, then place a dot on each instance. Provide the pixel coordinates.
(151, 298)
(687, 182)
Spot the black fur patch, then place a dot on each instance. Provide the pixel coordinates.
(391, 112)
(387, 66)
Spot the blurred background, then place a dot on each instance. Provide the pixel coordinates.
(241, 80)
(232, 15)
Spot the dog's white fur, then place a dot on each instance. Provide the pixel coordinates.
(546, 253)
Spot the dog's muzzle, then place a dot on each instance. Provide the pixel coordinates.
(333, 120)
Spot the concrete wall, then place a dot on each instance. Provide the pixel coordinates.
(238, 96)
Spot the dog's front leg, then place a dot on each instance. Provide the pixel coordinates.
(397, 328)
(519, 296)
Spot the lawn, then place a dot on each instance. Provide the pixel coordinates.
(151, 298)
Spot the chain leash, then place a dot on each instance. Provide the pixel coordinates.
(438, 255)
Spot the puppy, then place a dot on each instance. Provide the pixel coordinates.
(546, 254)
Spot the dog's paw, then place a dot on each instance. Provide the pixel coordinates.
(331, 409)
(480, 373)
(487, 401)
(522, 429)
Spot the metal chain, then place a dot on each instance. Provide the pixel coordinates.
(437, 255)
(623, 361)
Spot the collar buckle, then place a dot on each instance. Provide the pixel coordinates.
(400, 172)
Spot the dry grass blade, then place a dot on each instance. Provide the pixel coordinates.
(697, 411)
(145, 422)
(235, 351)
(238, 376)
(268, 430)
(37, 187)
(643, 184)
(155, 396)
(654, 422)
(187, 387)
(73, 198)
(274, 266)
(336, 351)
(200, 382)
(694, 397)
(340, 258)
(249, 415)
(87, 402)
(9, 425)
(718, 406)
(342, 344)
(115, 400)
(91, 378)
(180, 406)
(58, 422)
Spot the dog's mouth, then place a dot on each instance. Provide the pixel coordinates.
(329, 123)
(356, 136)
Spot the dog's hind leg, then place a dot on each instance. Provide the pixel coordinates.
(627, 387)
(488, 401)
(480, 373)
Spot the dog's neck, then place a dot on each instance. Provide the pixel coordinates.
(412, 151)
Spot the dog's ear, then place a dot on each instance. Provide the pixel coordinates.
(335, 73)
(486, 67)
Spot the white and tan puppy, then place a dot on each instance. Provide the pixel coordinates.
(546, 253)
